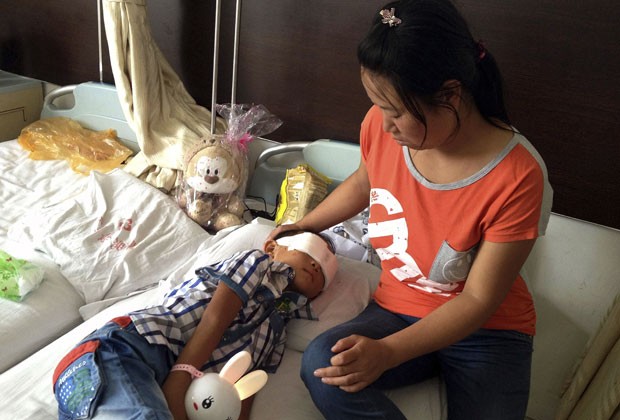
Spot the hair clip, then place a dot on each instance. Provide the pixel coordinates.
(389, 18)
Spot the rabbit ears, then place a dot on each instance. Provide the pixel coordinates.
(233, 371)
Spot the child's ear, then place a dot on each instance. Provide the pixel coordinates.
(269, 246)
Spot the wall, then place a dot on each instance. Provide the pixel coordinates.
(560, 59)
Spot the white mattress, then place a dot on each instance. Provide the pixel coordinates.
(52, 309)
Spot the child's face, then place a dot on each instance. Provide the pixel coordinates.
(309, 279)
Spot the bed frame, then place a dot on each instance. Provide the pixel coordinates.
(94, 105)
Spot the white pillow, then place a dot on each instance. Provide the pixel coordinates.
(117, 236)
(224, 244)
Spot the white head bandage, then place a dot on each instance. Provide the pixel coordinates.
(316, 247)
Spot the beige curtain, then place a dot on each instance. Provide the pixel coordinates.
(166, 119)
(593, 392)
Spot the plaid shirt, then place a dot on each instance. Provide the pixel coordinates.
(258, 327)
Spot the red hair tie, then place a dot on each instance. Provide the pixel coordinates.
(482, 51)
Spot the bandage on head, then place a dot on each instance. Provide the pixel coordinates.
(317, 248)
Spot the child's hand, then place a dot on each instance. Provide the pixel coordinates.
(175, 387)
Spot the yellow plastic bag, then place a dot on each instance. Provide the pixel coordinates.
(64, 138)
(302, 189)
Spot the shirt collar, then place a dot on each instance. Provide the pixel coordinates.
(290, 304)
(294, 305)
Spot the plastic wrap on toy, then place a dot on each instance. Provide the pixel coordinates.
(17, 277)
(302, 189)
(216, 170)
(64, 138)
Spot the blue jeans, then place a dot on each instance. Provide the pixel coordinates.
(121, 379)
(487, 374)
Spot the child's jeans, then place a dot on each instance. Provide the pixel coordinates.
(113, 374)
(487, 374)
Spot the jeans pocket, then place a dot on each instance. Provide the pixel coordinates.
(78, 382)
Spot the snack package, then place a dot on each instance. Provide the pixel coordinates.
(216, 170)
(63, 138)
(302, 189)
(17, 277)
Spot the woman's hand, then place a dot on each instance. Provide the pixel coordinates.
(282, 228)
(175, 386)
(359, 361)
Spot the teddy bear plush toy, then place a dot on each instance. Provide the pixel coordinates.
(214, 179)
(216, 170)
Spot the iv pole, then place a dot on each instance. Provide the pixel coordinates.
(216, 47)
(99, 39)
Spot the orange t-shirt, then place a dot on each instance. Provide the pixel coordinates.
(427, 234)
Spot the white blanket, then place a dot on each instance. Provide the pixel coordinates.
(52, 308)
(118, 236)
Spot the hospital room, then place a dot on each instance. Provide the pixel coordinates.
(150, 151)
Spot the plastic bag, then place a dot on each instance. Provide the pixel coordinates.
(216, 170)
(303, 188)
(17, 277)
(64, 138)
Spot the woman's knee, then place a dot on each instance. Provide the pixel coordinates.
(316, 355)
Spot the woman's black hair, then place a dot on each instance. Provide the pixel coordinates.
(431, 45)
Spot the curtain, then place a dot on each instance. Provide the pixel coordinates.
(166, 119)
(593, 392)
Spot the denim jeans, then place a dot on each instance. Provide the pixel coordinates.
(128, 374)
(487, 374)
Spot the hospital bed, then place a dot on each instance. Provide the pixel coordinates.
(49, 213)
(573, 287)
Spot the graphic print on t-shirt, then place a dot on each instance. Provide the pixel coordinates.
(450, 267)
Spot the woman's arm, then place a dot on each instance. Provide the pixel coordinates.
(347, 200)
(216, 318)
(359, 361)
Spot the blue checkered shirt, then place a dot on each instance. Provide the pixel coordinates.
(258, 327)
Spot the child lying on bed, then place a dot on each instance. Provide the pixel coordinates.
(140, 365)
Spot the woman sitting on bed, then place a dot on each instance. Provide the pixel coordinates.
(241, 303)
(457, 198)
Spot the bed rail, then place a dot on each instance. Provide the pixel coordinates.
(94, 105)
(335, 159)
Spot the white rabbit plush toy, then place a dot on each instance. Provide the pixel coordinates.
(218, 396)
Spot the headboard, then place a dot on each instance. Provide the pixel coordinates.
(560, 60)
(94, 105)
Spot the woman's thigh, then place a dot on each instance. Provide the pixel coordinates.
(376, 323)
(371, 402)
(487, 375)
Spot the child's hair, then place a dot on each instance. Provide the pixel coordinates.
(328, 241)
(431, 45)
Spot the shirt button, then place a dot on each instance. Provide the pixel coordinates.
(260, 298)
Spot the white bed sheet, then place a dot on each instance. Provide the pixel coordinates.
(51, 309)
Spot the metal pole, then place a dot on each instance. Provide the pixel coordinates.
(216, 47)
(99, 38)
(233, 93)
